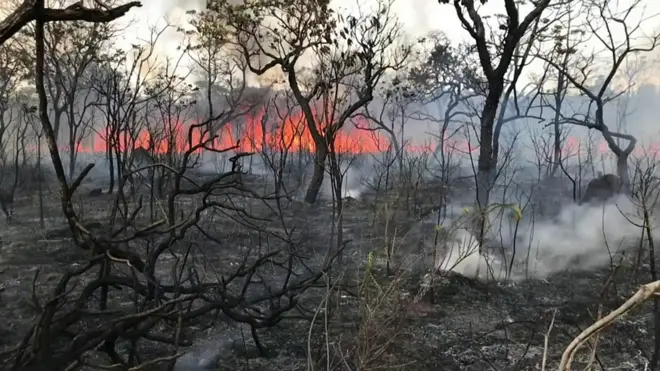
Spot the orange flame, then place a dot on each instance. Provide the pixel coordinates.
(292, 135)
(254, 136)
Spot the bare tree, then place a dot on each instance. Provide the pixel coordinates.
(12, 71)
(496, 61)
(121, 85)
(607, 23)
(389, 113)
(172, 112)
(73, 48)
(449, 80)
(566, 36)
(31, 117)
(221, 74)
(319, 53)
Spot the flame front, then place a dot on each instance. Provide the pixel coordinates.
(258, 134)
(254, 135)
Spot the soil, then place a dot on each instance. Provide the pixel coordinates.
(460, 324)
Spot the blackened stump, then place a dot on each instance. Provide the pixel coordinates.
(603, 188)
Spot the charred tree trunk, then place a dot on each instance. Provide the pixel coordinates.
(398, 152)
(316, 182)
(556, 152)
(118, 168)
(485, 167)
(72, 159)
(40, 180)
(111, 164)
(559, 99)
(111, 170)
(610, 137)
(622, 169)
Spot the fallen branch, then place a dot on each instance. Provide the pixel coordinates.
(643, 294)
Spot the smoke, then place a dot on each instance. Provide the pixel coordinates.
(352, 185)
(581, 237)
(352, 182)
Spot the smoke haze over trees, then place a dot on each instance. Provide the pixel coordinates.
(258, 167)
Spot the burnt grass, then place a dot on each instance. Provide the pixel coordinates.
(461, 324)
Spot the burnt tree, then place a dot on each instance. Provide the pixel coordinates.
(319, 54)
(609, 24)
(513, 30)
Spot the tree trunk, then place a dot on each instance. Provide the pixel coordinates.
(109, 156)
(119, 166)
(556, 151)
(40, 177)
(622, 170)
(316, 182)
(72, 160)
(559, 99)
(486, 165)
(397, 152)
(486, 161)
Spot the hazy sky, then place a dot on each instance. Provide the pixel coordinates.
(418, 17)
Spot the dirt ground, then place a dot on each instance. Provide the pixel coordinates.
(462, 325)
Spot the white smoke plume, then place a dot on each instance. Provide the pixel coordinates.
(590, 234)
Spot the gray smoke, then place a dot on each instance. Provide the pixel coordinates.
(581, 236)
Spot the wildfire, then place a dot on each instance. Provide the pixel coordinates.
(253, 136)
(257, 134)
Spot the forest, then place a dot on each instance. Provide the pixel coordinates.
(306, 185)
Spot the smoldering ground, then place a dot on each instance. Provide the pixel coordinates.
(580, 237)
(575, 237)
(464, 308)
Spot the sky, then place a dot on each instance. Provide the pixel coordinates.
(418, 18)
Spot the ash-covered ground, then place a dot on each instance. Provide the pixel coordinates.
(379, 321)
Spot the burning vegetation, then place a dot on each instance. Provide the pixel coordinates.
(375, 202)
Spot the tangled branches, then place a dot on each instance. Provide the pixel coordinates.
(146, 282)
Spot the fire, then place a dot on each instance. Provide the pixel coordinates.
(252, 136)
(258, 133)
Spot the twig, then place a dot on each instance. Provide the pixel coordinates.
(594, 346)
(547, 341)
